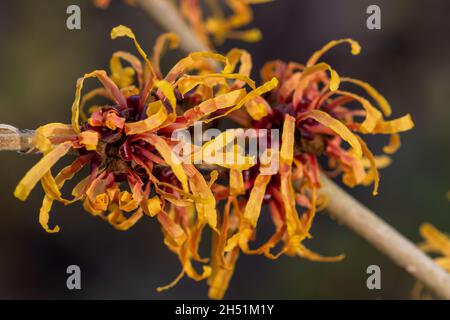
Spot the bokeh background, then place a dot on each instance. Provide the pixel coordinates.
(408, 61)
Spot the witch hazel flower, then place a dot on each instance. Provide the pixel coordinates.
(127, 147)
(319, 123)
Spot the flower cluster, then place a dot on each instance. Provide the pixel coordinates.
(317, 123)
(128, 147)
(127, 144)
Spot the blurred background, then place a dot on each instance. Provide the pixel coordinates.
(407, 60)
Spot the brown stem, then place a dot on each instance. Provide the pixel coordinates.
(386, 239)
(13, 139)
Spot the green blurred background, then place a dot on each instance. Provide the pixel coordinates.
(408, 61)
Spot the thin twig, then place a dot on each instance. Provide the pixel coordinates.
(342, 205)
(13, 139)
(386, 239)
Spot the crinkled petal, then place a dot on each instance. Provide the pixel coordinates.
(168, 92)
(436, 240)
(373, 116)
(374, 174)
(378, 97)
(171, 158)
(204, 198)
(190, 61)
(189, 82)
(47, 136)
(338, 127)
(170, 40)
(355, 50)
(394, 144)
(307, 75)
(109, 85)
(255, 200)
(266, 87)
(35, 174)
(257, 108)
(157, 114)
(209, 106)
(402, 124)
(89, 139)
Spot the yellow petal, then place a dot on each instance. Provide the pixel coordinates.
(98, 205)
(394, 144)
(152, 206)
(306, 77)
(157, 114)
(287, 191)
(378, 97)
(89, 139)
(255, 200)
(52, 189)
(44, 215)
(189, 62)
(437, 240)
(236, 182)
(130, 222)
(404, 123)
(338, 127)
(373, 116)
(257, 108)
(44, 135)
(380, 162)
(50, 186)
(127, 202)
(238, 55)
(33, 176)
(120, 75)
(205, 202)
(123, 31)
(188, 82)
(109, 85)
(251, 35)
(355, 49)
(172, 284)
(168, 39)
(220, 282)
(287, 141)
(168, 92)
(211, 105)
(266, 87)
(308, 254)
(374, 169)
(174, 231)
(170, 157)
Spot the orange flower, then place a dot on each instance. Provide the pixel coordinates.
(127, 145)
(316, 124)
